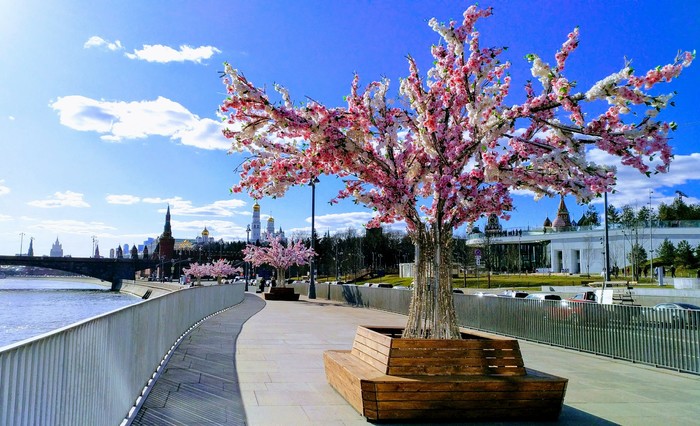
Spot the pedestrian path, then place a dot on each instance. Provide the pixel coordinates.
(273, 373)
(199, 383)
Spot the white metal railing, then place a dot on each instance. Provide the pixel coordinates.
(92, 372)
(663, 338)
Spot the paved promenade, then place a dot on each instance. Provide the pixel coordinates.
(260, 363)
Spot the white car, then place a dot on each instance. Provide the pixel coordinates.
(543, 296)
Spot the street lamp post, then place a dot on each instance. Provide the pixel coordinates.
(651, 242)
(312, 279)
(607, 242)
(245, 264)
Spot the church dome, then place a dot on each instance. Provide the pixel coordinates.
(547, 222)
(271, 219)
(562, 220)
(256, 207)
(205, 233)
(559, 223)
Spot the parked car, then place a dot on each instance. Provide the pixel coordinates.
(514, 293)
(543, 296)
(678, 314)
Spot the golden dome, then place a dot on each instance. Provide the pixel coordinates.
(205, 233)
(271, 219)
(256, 207)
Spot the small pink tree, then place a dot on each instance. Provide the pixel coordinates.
(278, 256)
(198, 271)
(222, 268)
(452, 150)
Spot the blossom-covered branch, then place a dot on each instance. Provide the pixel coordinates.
(458, 149)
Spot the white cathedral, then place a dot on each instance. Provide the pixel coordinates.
(256, 228)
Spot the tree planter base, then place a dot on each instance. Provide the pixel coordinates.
(282, 293)
(481, 377)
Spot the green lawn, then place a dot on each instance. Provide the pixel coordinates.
(508, 281)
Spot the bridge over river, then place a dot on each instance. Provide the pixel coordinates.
(112, 270)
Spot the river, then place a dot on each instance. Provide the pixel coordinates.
(31, 307)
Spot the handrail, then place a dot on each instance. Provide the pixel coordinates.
(92, 372)
(663, 338)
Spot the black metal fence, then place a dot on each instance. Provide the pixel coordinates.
(663, 338)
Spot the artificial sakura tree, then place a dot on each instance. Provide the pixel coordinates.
(197, 270)
(222, 268)
(278, 256)
(452, 149)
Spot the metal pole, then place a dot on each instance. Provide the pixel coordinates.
(651, 243)
(245, 264)
(312, 284)
(607, 242)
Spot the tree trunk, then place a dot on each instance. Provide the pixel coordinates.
(432, 313)
(280, 278)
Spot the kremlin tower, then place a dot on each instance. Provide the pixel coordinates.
(167, 242)
(255, 226)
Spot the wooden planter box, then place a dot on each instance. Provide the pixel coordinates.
(481, 377)
(281, 293)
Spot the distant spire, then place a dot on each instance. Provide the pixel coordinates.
(562, 220)
(167, 230)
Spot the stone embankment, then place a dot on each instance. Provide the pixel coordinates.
(141, 288)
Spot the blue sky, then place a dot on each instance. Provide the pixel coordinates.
(108, 108)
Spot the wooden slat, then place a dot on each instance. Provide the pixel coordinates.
(465, 361)
(454, 345)
(463, 383)
(451, 404)
(469, 395)
(373, 335)
(379, 346)
(447, 354)
(375, 363)
(447, 370)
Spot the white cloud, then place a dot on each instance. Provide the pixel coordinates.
(158, 200)
(72, 227)
(120, 120)
(217, 228)
(11, 117)
(180, 207)
(633, 187)
(99, 42)
(4, 190)
(122, 199)
(5, 218)
(61, 199)
(341, 221)
(164, 54)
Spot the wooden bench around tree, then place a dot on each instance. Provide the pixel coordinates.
(282, 293)
(481, 377)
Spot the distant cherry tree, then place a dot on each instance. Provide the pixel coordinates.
(451, 150)
(278, 256)
(198, 271)
(222, 268)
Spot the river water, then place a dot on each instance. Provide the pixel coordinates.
(30, 307)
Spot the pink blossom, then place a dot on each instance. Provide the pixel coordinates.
(450, 153)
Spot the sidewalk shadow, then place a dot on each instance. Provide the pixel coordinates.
(199, 384)
(569, 416)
